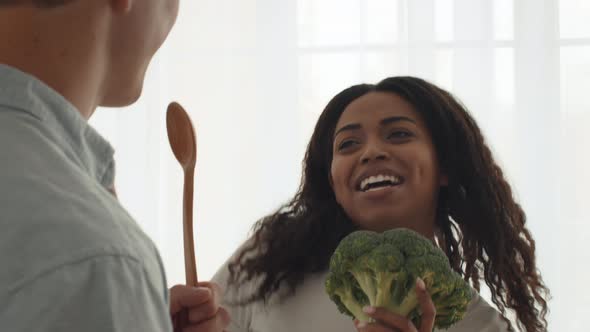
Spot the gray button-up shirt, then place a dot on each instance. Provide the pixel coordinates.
(71, 258)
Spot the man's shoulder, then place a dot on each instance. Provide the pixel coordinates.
(52, 210)
(36, 238)
(104, 286)
(42, 182)
(27, 148)
(46, 239)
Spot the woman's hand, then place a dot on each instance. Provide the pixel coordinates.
(386, 321)
(200, 308)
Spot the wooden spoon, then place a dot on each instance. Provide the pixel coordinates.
(183, 141)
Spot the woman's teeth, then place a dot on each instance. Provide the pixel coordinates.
(378, 181)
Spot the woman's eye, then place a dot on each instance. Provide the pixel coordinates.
(346, 144)
(400, 134)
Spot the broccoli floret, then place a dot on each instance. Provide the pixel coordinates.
(368, 268)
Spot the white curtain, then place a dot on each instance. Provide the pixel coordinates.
(255, 74)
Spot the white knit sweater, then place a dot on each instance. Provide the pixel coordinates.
(310, 309)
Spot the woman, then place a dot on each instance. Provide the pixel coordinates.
(402, 153)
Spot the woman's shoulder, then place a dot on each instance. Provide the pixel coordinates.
(222, 276)
(236, 293)
(481, 317)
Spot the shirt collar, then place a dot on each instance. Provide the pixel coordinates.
(25, 93)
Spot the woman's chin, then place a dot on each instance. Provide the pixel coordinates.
(384, 224)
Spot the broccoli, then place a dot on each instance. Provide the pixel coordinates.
(380, 270)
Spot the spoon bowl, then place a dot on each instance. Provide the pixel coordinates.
(181, 135)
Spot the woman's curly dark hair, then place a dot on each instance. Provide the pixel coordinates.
(479, 224)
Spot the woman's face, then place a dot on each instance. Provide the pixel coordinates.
(384, 172)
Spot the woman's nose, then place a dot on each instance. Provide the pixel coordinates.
(373, 152)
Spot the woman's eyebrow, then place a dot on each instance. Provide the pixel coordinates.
(352, 126)
(386, 121)
(394, 119)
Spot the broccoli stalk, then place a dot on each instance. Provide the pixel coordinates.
(384, 285)
(368, 283)
(347, 298)
(350, 300)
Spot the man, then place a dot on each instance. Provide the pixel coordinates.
(71, 258)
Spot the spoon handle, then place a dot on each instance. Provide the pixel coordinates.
(190, 266)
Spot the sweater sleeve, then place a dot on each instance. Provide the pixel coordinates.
(241, 314)
(480, 317)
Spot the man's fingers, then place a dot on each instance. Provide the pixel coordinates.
(426, 306)
(188, 297)
(218, 323)
(202, 312)
(215, 289)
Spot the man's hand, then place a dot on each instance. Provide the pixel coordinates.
(200, 305)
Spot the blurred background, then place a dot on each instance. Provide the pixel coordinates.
(255, 75)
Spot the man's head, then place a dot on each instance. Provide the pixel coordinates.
(106, 43)
(138, 29)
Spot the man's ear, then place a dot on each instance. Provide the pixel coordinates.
(122, 6)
